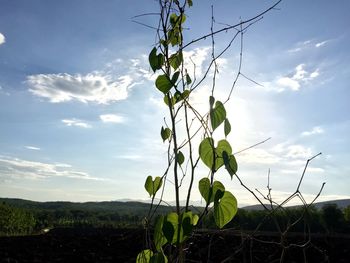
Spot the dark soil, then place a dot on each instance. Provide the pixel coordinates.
(73, 245)
(122, 245)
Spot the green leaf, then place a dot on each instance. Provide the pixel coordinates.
(170, 227)
(165, 133)
(225, 208)
(185, 94)
(152, 186)
(186, 225)
(172, 100)
(176, 60)
(175, 77)
(208, 192)
(174, 36)
(211, 101)
(180, 158)
(227, 127)
(163, 83)
(159, 258)
(205, 189)
(223, 146)
(195, 219)
(230, 163)
(181, 96)
(206, 152)
(218, 188)
(188, 79)
(144, 256)
(190, 3)
(175, 20)
(164, 43)
(155, 61)
(159, 238)
(217, 115)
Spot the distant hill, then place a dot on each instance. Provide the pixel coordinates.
(128, 208)
(125, 207)
(341, 203)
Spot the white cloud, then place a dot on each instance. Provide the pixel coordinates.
(298, 152)
(76, 122)
(293, 50)
(292, 82)
(14, 167)
(32, 148)
(112, 118)
(316, 170)
(131, 157)
(299, 46)
(4, 92)
(194, 60)
(94, 87)
(314, 74)
(308, 44)
(258, 156)
(2, 39)
(320, 44)
(300, 72)
(288, 83)
(315, 130)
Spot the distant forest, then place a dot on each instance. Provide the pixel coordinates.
(22, 217)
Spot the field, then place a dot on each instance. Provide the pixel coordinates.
(122, 245)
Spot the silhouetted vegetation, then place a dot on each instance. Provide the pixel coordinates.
(21, 217)
(15, 221)
(328, 219)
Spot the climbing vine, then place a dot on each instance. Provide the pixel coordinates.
(189, 135)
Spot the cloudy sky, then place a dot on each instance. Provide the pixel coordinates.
(80, 117)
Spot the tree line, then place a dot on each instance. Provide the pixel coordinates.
(22, 221)
(329, 219)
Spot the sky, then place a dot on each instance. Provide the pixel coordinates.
(80, 116)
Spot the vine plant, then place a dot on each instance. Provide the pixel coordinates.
(176, 84)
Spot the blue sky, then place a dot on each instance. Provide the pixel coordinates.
(80, 118)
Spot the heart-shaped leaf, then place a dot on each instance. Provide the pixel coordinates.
(227, 127)
(170, 227)
(206, 152)
(163, 83)
(205, 189)
(223, 146)
(186, 225)
(225, 208)
(175, 60)
(144, 256)
(217, 188)
(165, 133)
(155, 61)
(230, 163)
(159, 238)
(152, 186)
(180, 158)
(208, 192)
(217, 115)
